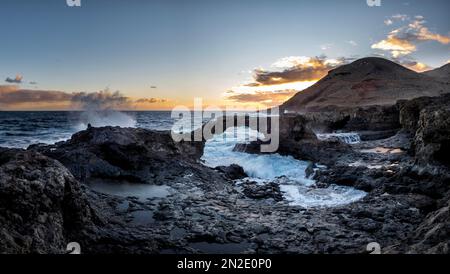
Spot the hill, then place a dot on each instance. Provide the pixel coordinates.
(365, 82)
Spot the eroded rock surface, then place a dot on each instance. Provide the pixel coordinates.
(43, 207)
(131, 154)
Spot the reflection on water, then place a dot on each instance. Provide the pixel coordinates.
(382, 150)
(125, 189)
(142, 217)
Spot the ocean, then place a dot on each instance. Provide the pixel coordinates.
(21, 129)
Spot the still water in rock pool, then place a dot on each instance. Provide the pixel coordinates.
(288, 172)
(125, 189)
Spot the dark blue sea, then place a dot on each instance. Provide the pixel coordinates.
(20, 129)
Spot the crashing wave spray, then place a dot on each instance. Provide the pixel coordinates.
(99, 109)
(289, 173)
(107, 117)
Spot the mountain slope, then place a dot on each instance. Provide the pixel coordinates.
(367, 81)
(442, 73)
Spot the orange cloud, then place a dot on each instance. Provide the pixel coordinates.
(416, 66)
(402, 41)
(150, 100)
(152, 103)
(263, 98)
(296, 69)
(396, 46)
(424, 34)
(287, 76)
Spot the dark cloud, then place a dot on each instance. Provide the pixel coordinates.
(13, 95)
(100, 100)
(16, 80)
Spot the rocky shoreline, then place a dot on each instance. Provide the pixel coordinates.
(48, 194)
(410, 166)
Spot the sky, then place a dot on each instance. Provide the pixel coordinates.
(157, 54)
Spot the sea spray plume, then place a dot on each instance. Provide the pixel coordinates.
(102, 109)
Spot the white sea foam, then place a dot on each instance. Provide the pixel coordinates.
(348, 137)
(333, 195)
(285, 170)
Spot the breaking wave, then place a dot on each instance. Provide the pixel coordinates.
(288, 172)
(101, 118)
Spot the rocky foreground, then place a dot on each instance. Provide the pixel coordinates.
(49, 195)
